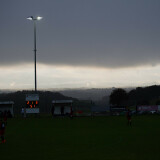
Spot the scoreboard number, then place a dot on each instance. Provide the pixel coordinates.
(32, 104)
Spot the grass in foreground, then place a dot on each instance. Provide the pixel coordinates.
(83, 138)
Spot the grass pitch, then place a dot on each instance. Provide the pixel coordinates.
(83, 138)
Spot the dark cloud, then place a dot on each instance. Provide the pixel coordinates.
(98, 33)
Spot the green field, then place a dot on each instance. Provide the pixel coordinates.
(83, 138)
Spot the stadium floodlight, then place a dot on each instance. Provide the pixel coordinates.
(39, 18)
(30, 18)
(34, 19)
(35, 45)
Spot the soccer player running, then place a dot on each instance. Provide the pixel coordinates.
(2, 131)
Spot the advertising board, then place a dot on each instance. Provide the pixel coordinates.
(148, 108)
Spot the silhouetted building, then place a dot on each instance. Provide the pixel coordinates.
(62, 107)
(7, 107)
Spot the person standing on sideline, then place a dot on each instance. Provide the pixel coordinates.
(52, 111)
(2, 131)
(129, 122)
(71, 113)
(62, 111)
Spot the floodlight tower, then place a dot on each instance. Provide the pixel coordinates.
(35, 45)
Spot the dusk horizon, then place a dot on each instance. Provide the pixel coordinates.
(90, 44)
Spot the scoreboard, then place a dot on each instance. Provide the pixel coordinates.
(32, 103)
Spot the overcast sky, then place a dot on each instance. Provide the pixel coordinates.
(107, 37)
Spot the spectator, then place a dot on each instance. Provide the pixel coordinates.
(2, 131)
(62, 111)
(129, 122)
(52, 111)
(71, 113)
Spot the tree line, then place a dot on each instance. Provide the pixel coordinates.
(139, 96)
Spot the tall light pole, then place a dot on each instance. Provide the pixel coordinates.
(35, 45)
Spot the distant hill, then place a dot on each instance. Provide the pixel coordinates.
(94, 94)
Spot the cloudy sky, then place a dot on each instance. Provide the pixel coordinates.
(80, 43)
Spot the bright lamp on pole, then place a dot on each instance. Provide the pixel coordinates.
(34, 19)
(39, 18)
(35, 45)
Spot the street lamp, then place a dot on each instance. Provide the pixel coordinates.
(35, 47)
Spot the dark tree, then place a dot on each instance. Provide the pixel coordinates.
(145, 96)
(118, 97)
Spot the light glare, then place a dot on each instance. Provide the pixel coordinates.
(39, 18)
(30, 18)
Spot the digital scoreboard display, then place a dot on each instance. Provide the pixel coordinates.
(32, 101)
(32, 104)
